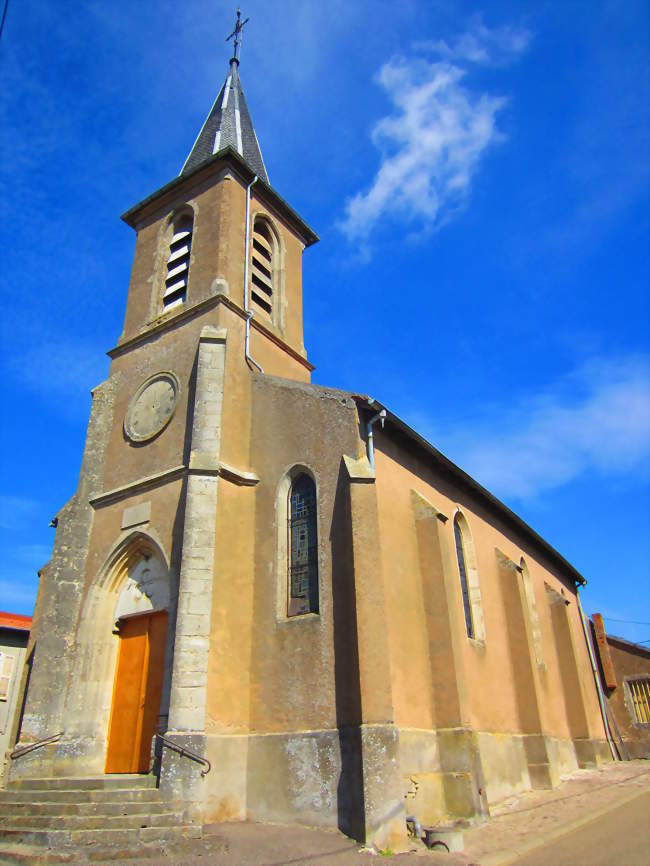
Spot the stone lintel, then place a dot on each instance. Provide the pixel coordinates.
(136, 515)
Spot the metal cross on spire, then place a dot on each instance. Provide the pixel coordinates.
(239, 26)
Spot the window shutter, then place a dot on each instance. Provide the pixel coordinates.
(178, 265)
(262, 264)
(6, 670)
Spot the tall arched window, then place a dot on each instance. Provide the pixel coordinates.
(263, 267)
(302, 547)
(462, 568)
(178, 262)
(468, 570)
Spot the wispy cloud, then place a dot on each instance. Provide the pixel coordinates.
(16, 512)
(433, 142)
(60, 368)
(483, 45)
(596, 420)
(18, 593)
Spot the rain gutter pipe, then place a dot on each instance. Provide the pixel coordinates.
(594, 669)
(380, 416)
(247, 310)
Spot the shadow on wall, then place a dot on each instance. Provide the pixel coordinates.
(350, 800)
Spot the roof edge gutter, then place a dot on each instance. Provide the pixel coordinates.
(469, 483)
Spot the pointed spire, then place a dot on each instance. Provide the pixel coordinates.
(229, 123)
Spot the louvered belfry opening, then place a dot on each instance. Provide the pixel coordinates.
(262, 265)
(178, 263)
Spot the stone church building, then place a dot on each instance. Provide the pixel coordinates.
(284, 578)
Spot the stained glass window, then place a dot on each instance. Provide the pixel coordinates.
(462, 568)
(303, 547)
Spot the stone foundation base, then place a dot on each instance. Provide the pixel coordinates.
(362, 780)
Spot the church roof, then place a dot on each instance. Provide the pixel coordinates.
(228, 124)
(461, 478)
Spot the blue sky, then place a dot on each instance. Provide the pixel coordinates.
(479, 177)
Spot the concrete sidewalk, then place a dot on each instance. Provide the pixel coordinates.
(517, 826)
(531, 820)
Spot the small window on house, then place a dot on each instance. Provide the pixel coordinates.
(178, 263)
(462, 568)
(6, 670)
(639, 693)
(302, 547)
(263, 265)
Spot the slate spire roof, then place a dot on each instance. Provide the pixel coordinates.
(228, 123)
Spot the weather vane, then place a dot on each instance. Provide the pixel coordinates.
(239, 26)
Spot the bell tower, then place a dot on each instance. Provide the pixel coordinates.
(214, 305)
(219, 239)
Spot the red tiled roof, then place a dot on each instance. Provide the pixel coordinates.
(15, 620)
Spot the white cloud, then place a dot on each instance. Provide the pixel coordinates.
(432, 144)
(482, 45)
(597, 420)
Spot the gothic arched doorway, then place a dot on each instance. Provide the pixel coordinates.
(140, 578)
(130, 605)
(137, 691)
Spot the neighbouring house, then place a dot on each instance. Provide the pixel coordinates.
(281, 577)
(624, 669)
(14, 635)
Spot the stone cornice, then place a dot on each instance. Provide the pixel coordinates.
(200, 464)
(170, 322)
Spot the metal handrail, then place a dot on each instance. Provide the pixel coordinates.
(185, 752)
(19, 751)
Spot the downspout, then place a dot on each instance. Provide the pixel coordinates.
(594, 669)
(247, 310)
(380, 416)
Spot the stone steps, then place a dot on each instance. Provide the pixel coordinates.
(142, 795)
(120, 821)
(63, 808)
(98, 838)
(66, 819)
(119, 781)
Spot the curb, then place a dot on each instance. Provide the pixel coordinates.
(507, 857)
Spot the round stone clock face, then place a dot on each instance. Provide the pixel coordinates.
(152, 407)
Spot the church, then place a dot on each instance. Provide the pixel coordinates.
(274, 597)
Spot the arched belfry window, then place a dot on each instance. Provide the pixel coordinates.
(302, 547)
(178, 262)
(264, 265)
(468, 571)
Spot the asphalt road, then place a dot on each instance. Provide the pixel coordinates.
(619, 838)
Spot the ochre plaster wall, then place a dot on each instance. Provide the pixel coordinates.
(499, 689)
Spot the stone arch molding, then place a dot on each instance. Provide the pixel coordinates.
(282, 548)
(135, 578)
(136, 574)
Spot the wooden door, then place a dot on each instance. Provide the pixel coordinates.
(136, 692)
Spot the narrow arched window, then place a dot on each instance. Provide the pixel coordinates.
(303, 547)
(263, 267)
(178, 263)
(462, 568)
